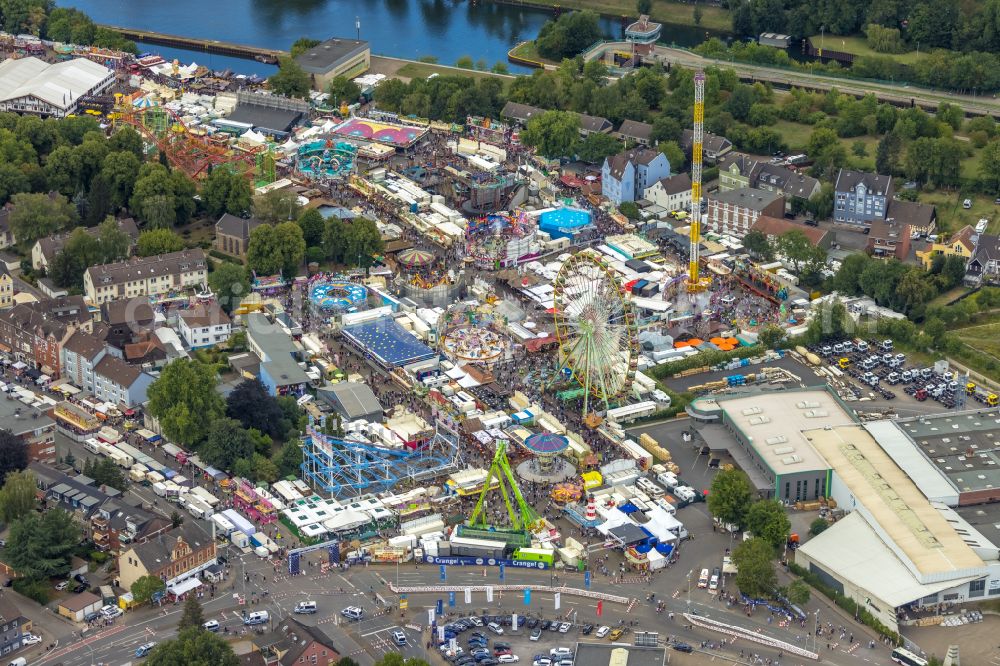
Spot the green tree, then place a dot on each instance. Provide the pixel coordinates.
(730, 497)
(185, 401)
(105, 472)
(767, 519)
(120, 170)
(12, 181)
(666, 128)
(597, 146)
(251, 405)
(553, 133)
(696, 14)
(161, 198)
(62, 170)
(276, 249)
(797, 248)
(343, 90)
(629, 210)
(756, 577)
(568, 35)
(37, 215)
(888, 153)
(500, 67)
(145, 587)
(230, 284)
(193, 647)
(759, 245)
(798, 592)
(301, 45)
(288, 459)
(41, 545)
(226, 442)
(312, 224)
(113, 244)
(464, 62)
(290, 80)
(818, 526)
(951, 114)
(226, 192)
(80, 251)
(277, 205)
(158, 241)
(176, 519)
(17, 497)
(989, 166)
(821, 203)
(771, 336)
(675, 156)
(362, 242)
(13, 453)
(192, 616)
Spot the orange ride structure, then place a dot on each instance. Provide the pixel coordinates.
(194, 153)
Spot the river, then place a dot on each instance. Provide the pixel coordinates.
(445, 29)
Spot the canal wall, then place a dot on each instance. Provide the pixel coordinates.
(257, 53)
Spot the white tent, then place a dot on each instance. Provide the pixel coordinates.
(346, 520)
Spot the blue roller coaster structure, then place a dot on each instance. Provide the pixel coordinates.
(347, 468)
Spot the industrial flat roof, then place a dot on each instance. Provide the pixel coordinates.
(774, 422)
(931, 480)
(886, 494)
(851, 550)
(600, 654)
(962, 446)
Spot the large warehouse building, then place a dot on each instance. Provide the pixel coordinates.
(30, 85)
(919, 527)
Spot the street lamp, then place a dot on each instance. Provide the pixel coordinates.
(689, 586)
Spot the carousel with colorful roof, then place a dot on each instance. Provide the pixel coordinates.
(546, 463)
(424, 278)
(473, 333)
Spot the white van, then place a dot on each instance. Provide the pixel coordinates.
(257, 617)
(20, 661)
(211, 625)
(305, 607)
(353, 613)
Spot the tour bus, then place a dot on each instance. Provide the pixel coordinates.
(907, 658)
(534, 555)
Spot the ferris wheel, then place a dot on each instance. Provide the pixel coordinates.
(596, 329)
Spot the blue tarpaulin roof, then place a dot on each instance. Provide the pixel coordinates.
(388, 342)
(664, 548)
(628, 508)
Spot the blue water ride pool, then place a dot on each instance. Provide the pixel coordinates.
(564, 222)
(338, 296)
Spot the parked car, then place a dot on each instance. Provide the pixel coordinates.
(565, 627)
(30, 639)
(536, 634)
(495, 628)
(603, 631)
(62, 585)
(683, 647)
(508, 659)
(110, 611)
(211, 625)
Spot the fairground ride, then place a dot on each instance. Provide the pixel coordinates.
(347, 468)
(695, 282)
(523, 518)
(191, 152)
(596, 329)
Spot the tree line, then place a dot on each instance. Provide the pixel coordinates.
(42, 18)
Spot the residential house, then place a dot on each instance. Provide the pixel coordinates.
(736, 211)
(146, 276)
(672, 193)
(120, 383)
(115, 525)
(148, 352)
(127, 319)
(279, 369)
(635, 133)
(13, 624)
(172, 556)
(6, 289)
(594, 125)
(625, 177)
(520, 113)
(232, 234)
(205, 325)
(45, 249)
(961, 244)
(295, 643)
(33, 427)
(735, 169)
(797, 187)
(921, 218)
(860, 197)
(713, 146)
(89, 365)
(34, 332)
(6, 235)
(774, 227)
(984, 266)
(78, 606)
(889, 239)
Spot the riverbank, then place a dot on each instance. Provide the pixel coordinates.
(405, 70)
(677, 13)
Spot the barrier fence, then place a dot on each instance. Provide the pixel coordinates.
(575, 591)
(753, 636)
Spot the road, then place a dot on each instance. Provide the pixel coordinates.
(898, 94)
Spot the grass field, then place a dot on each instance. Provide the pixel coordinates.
(859, 47)
(421, 70)
(796, 135)
(952, 217)
(984, 337)
(682, 13)
(529, 51)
